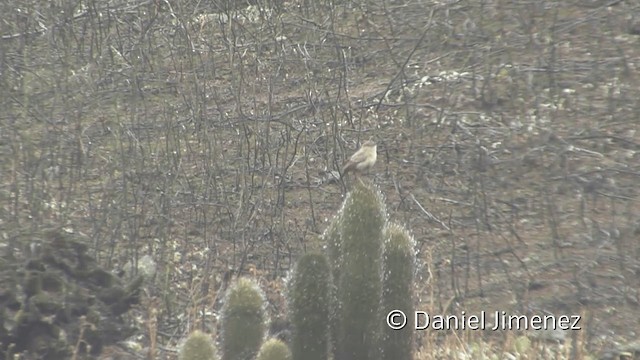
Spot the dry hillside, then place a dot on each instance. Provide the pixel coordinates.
(207, 134)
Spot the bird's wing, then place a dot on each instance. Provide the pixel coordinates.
(348, 167)
(358, 157)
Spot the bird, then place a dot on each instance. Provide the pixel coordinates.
(362, 160)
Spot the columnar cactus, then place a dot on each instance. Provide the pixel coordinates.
(309, 295)
(332, 238)
(361, 222)
(243, 321)
(198, 346)
(397, 291)
(274, 349)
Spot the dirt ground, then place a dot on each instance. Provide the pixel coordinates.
(209, 136)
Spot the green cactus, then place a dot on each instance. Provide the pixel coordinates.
(198, 346)
(243, 321)
(309, 298)
(397, 291)
(274, 349)
(362, 219)
(331, 237)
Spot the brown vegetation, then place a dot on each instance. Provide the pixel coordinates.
(204, 133)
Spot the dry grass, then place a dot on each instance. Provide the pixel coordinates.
(203, 135)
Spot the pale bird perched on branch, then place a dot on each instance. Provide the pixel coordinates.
(363, 159)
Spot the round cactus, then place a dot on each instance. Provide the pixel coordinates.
(274, 349)
(198, 346)
(243, 321)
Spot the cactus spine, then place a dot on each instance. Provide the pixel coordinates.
(362, 219)
(309, 298)
(198, 347)
(397, 291)
(274, 349)
(243, 321)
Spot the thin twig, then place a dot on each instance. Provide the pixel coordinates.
(429, 215)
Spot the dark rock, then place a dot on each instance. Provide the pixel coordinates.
(61, 294)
